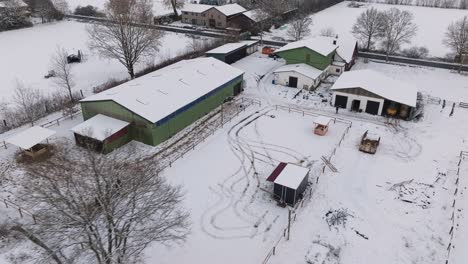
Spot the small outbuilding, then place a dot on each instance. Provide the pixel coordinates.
(321, 125)
(232, 52)
(369, 142)
(290, 182)
(301, 76)
(102, 133)
(374, 93)
(30, 141)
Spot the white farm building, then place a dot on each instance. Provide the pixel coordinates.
(374, 93)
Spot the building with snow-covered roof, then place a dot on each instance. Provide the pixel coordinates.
(210, 16)
(232, 52)
(160, 104)
(253, 21)
(374, 93)
(299, 75)
(289, 182)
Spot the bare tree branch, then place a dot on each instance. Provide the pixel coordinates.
(456, 38)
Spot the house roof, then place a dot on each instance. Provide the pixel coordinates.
(323, 46)
(301, 68)
(100, 127)
(30, 137)
(230, 9)
(227, 48)
(322, 120)
(256, 15)
(196, 8)
(378, 84)
(292, 176)
(156, 95)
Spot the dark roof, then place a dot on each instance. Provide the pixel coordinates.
(277, 172)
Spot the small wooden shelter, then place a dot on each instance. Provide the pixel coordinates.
(30, 141)
(369, 142)
(290, 182)
(321, 125)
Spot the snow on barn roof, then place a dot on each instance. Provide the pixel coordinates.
(322, 120)
(196, 8)
(156, 95)
(230, 9)
(346, 46)
(227, 48)
(378, 84)
(301, 68)
(292, 176)
(323, 46)
(256, 15)
(30, 137)
(100, 127)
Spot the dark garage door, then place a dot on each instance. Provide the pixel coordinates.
(372, 107)
(292, 82)
(341, 101)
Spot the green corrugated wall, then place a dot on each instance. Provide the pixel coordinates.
(299, 55)
(144, 131)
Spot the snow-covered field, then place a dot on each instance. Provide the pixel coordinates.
(26, 55)
(398, 201)
(432, 23)
(159, 8)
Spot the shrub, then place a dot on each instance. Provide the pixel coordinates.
(88, 10)
(416, 52)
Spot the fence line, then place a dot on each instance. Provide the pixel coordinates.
(452, 229)
(22, 212)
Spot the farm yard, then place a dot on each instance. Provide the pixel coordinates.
(20, 62)
(341, 18)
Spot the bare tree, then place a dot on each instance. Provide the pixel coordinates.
(124, 37)
(456, 38)
(398, 28)
(328, 32)
(175, 4)
(300, 27)
(63, 71)
(368, 26)
(27, 101)
(92, 208)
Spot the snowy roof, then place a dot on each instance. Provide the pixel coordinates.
(230, 9)
(301, 68)
(322, 120)
(20, 3)
(196, 8)
(372, 136)
(292, 176)
(346, 46)
(156, 95)
(227, 48)
(30, 137)
(323, 46)
(250, 42)
(378, 84)
(256, 15)
(100, 127)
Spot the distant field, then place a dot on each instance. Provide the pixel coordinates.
(158, 7)
(432, 23)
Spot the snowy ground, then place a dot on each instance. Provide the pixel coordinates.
(432, 23)
(399, 199)
(26, 54)
(159, 8)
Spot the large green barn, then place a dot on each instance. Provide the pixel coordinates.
(160, 104)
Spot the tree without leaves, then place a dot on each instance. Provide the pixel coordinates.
(63, 72)
(456, 38)
(175, 4)
(100, 209)
(300, 28)
(27, 102)
(121, 37)
(398, 28)
(368, 26)
(328, 32)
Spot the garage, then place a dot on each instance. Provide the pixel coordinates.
(300, 76)
(341, 101)
(372, 107)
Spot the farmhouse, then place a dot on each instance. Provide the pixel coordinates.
(158, 105)
(212, 16)
(290, 182)
(374, 93)
(310, 61)
(232, 52)
(253, 21)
